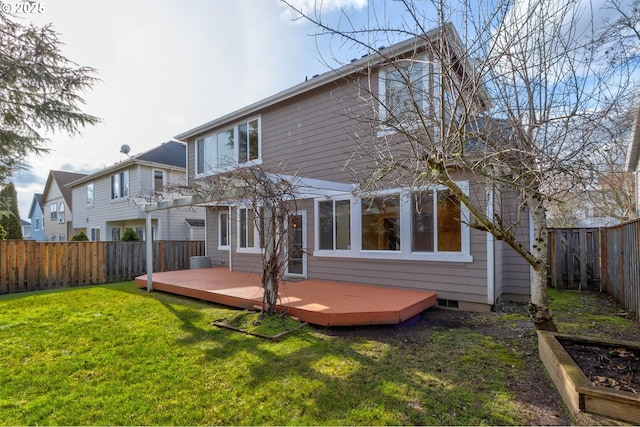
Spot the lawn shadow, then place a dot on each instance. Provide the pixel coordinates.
(438, 374)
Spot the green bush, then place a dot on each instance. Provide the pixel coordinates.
(80, 237)
(129, 235)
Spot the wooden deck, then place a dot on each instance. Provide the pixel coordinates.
(319, 302)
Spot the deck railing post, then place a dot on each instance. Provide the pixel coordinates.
(149, 247)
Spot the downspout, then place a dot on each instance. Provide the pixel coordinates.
(491, 251)
(149, 247)
(230, 240)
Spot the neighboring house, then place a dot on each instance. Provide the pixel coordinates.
(578, 211)
(394, 239)
(633, 158)
(36, 216)
(109, 201)
(57, 206)
(26, 229)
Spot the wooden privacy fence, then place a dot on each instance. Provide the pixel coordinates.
(621, 264)
(26, 265)
(574, 259)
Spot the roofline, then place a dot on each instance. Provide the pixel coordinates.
(366, 61)
(121, 165)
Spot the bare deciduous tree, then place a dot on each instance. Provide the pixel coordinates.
(267, 200)
(515, 90)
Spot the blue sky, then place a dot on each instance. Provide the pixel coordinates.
(167, 66)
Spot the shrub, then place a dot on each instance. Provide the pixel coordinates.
(129, 235)
(80, 237)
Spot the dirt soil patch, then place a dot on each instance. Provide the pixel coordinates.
(605, 366)
(510, 326)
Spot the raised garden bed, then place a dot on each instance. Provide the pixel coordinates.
(609, 394)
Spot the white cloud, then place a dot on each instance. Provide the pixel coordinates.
(165, 67)
(318, 7)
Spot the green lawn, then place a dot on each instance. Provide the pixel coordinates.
(116, 355)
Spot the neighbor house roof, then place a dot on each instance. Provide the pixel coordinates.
(37, 201)
(61, 178)
(171, 154)
(195, 222)
(376, 58)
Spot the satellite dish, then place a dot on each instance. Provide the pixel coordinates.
(124, 149)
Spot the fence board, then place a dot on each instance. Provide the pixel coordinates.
(621, 258)
(574, 259)
(27, 265)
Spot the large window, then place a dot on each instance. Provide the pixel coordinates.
(237, 145)
(335, 224)
(398, 224)
(381, 224)
(120, 185)
(442, 209)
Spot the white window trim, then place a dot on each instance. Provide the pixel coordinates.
(226, 247)
(124, 177)
(316, 226)
(213, 169)
(91, 234)
(153, 179)
(93, 194)
(256, 249)
(305, 258)
(405, 252)
(382, 92)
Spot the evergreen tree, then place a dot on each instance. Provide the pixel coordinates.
(40, 91)
(11, 221)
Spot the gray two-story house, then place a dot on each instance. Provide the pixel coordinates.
(398, 236)
(109, 201)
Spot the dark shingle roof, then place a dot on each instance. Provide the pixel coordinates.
(62, 179)
(172, 153)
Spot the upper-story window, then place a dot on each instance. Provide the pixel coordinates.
(239, 145)
(158, 180)
(54, 211)
(90, 194)
(120, 185)
(404, 88)
(61, 213)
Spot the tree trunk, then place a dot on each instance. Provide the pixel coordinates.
(539, 311)
(270, 270)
